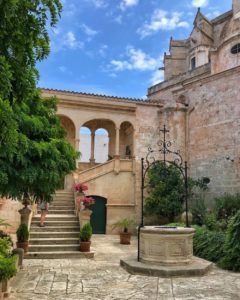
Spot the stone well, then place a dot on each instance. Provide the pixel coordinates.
(166, 252)
(166, 245)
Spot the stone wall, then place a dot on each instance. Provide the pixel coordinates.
(214, 131)
(147, 134)
(9, 213)
(207, 127)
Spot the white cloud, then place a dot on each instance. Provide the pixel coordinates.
(157, 76)
(88, 31)
(200, 3)
(118, 19)
(102, 50)
(139, 61)
(213, 14)
(62, 69)
(98, 3)
(61, 41)
(71, 41)
(162, 20)
(127, 3)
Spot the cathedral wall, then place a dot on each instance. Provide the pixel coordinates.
(210, 129)
(214, 131)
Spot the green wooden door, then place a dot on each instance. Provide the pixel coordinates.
(98, 217)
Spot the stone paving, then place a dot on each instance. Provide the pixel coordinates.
(103, 279)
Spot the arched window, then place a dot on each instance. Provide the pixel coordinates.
(235, 49)
(85, 144)
(101, 145)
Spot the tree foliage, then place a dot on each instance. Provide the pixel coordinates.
(34, 155)
(231, 259)
(166, 191)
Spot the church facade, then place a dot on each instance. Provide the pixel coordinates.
(198, 101)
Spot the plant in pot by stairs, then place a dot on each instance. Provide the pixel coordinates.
(22, 237)
(85, 237)
(8, 266)
(124, 225)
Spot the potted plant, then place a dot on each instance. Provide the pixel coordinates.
(22, 237)
(123, 225)
(85, 237)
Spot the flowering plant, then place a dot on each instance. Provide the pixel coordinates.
(86, 201)
(81, 190)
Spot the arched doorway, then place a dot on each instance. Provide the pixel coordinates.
(99, 215)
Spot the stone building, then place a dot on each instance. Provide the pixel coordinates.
(201, 98)
(199, 101)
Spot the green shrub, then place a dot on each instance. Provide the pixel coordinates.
(7, 267)
(208, 244)
(226, 206)
(210, 221)
(86, 233)
(5, 247)
(124, 224)
(3, 234)
(199, 210)
(231, 259)
(22, 233)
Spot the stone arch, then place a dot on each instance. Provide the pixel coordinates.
(69, 127)
(126, 140)
(106, 142)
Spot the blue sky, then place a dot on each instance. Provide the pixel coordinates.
(115, 47)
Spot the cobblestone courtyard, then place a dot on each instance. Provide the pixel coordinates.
(103, 278)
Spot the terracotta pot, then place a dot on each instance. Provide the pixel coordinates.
(85, 246)
(23, 245)
(125, 238)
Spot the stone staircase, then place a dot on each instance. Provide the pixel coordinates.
(60, 236)
(99, 170)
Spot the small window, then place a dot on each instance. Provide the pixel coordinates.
(235, 49)
(193, 63)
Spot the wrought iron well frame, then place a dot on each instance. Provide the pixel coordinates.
(149, 161)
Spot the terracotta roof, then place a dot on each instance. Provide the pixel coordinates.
(114, 98)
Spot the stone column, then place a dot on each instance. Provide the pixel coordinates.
(117, 143)
(92, 159)
(77, 141)
(84, 217)
(25, 213)
(133, 144)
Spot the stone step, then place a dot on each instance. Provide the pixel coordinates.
(67, 205)
(70, 198)
(61, 212)
(56, 218)
(59, 255)
(64, 206)
(55, 229)
(53, 248)
(56, 223)
(69, 208)
(39, 235)
(62, 203)
(53, 241)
